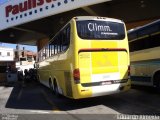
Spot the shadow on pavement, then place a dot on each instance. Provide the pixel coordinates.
(34, 96)
(135, 101)
(147, 89)
(27, 96)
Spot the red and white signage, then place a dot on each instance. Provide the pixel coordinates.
(16, 12)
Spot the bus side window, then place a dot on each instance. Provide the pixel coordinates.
(51, 50)
(47, 51)
(43, 54)
(66, 38)
(60, 38)
(59, 43)
(63, 40)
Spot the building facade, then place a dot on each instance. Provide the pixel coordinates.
(7, 62)
(13, 60)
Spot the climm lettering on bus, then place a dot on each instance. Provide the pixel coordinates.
(24, 6)
(96, 27)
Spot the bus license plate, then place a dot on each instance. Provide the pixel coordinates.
(106, 83)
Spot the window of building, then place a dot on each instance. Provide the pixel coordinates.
(8, 53)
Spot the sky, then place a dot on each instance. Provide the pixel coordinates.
(2, 1)
(27, 47)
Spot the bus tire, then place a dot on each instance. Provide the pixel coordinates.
(56, 91)
(157, 80)
(51, 85)
(38, 79)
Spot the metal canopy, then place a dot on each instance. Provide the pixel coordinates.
(132, 12)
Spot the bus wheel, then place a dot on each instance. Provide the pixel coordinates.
(56, 91)
(157, 81)
(38, 79)
(50, 85)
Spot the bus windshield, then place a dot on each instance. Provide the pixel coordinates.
(93, 29)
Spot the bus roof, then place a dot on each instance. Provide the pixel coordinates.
(79, 18)
(147, 29)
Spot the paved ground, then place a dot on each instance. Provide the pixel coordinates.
(34, 101)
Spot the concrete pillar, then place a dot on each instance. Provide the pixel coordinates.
(41, 43)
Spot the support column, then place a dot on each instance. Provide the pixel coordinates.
(41, 43)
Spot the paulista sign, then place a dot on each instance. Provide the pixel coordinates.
(16, 12)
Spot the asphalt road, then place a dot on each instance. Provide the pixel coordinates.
(33, 101)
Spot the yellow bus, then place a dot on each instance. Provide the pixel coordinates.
(88, 57)
(144, 43)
